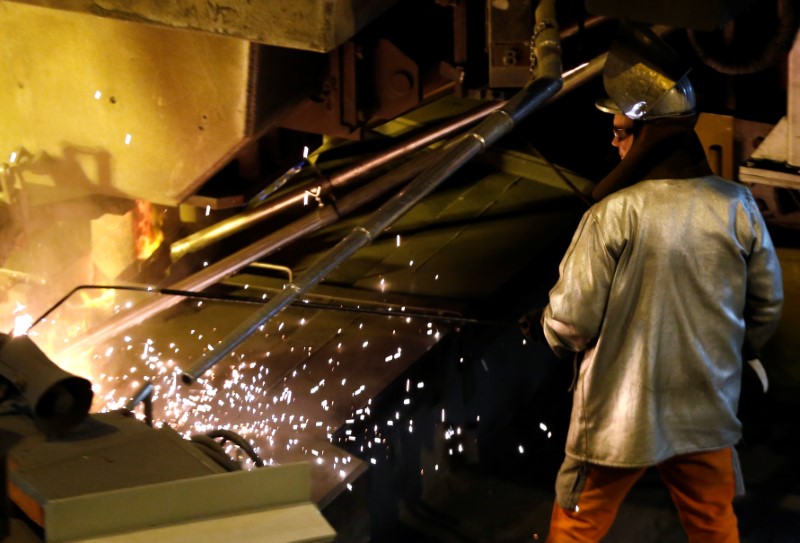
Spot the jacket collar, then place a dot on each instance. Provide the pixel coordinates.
(663, 149)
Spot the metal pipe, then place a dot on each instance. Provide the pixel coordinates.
(319, 219)
(534, 95)
(312, 222)
(591, 22)
(22, 277)
(385, 309)
(144, 394)
(278, 184)
(316, 220)
(212, 274)
(572, 79)
(237, 223)
(582, 73)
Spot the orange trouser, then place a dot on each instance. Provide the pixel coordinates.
(701, 485)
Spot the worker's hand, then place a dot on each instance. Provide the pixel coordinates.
(531, 326)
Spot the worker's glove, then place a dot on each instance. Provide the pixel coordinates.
(531, 326)
(750, 356)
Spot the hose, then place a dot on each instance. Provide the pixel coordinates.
(214, 451)
(240, 442)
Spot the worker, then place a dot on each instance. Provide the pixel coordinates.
(670, 277)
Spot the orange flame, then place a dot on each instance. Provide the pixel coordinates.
(106, 298)
(147, 229)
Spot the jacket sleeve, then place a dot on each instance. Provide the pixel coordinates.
(577, 305)
(764, 286)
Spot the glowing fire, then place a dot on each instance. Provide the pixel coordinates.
(22, 321)
(106, 297)
(147, 229)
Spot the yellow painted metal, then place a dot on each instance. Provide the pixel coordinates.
(301, 523)
(113, 244)
(240, 505)
(95, 105)
(716, 135)
(310, 25)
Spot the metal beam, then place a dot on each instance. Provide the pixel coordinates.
(310, 25)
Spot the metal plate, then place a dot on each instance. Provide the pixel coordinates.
(104, 106)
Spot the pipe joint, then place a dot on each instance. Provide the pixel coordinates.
(480, 139)
(364, 231)
(551, 44)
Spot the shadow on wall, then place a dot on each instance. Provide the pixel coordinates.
(46, 209)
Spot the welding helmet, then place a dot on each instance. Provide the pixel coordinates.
(645, 78)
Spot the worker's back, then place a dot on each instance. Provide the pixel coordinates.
(660, 275)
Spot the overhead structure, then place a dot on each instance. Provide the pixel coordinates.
(143, 116)
(707, 15)
(309, 25)
(542, 87)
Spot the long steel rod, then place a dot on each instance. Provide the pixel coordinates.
(203, 238)
(217, 271)
(232, 225)
(239, 222)
(386, 310)
(535, 94)
(315, 221)
(312, 222)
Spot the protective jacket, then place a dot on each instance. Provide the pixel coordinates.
(664, 285)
